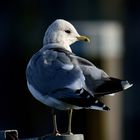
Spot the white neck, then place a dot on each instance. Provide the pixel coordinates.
(59, 45)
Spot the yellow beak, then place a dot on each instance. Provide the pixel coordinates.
(83, 38)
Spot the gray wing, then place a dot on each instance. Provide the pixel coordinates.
(97, 82)
(94, 76)
(56, 74)
(70, 79)
(49, 71)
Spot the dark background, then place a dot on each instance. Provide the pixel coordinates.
(22, 27)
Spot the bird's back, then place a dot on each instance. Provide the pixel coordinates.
(50, 70)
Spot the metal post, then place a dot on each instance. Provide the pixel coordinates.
(13, 135)
(8, 135)
(61, 137)
(65, 137)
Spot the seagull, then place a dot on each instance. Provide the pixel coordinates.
(64, 81)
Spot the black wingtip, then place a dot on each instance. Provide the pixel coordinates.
(98, 105)
(112, 85)
(106, 108)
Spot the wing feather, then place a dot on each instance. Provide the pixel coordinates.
(49, 70)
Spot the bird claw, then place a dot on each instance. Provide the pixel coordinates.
(57, 134)
(53, 134)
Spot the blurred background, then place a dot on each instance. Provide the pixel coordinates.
(114, 28)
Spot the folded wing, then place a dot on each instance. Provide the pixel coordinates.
(97, 82)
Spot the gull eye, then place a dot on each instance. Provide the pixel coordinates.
(68, 31)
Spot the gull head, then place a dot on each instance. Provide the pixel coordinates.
(63, 33)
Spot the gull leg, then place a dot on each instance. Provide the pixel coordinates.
(69, 122)
(55, 131)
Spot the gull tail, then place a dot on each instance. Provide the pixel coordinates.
(111, 86)
(79, 99)
(97, 105)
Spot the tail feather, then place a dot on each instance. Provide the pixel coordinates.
(97, 105)
(80, 98)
